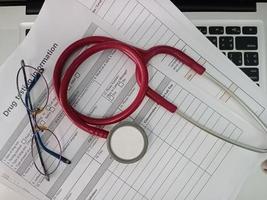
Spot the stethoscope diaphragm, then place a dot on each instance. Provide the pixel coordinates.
(127, 142)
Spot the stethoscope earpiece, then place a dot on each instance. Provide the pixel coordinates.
(127, 142)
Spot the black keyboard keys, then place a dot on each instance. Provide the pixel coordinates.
(249, 30)
(213, 40)
(251, 58)
(252, 73)
(233, 30)
(27, 31)
(238, 43)
(246, 43)
(235, 57)
(226, 43)
(203, 29)
(217, 30)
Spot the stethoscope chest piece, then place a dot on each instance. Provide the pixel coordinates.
(127, 142)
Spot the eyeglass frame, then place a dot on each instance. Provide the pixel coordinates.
(33, 122)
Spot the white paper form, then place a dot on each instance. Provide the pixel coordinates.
(242, 85)
(107, 12)
(194, 44)
(182, 162)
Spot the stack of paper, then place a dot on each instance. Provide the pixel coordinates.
(182, 162)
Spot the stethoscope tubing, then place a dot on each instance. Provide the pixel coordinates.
(140, 57)
(247, 108)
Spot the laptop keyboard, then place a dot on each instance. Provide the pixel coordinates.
(239, 44)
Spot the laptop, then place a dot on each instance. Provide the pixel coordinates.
(237, 27)
(16, 18)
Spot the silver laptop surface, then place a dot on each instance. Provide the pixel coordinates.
(15, 20)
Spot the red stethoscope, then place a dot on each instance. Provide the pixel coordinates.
(141, 58)
(138, 56)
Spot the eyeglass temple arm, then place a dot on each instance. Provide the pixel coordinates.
(52, 153)
(36, 78)
(41, 157)
(29, 87)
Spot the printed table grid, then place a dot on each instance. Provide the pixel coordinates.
(176, 143)
(182, 159)
(193, 99)
(130, 7)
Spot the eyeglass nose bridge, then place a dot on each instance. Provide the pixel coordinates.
(40, 128)
(37, 111)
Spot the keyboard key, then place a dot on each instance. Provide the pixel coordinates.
(203, 29)
(252, 73)
(246, 43)
(27, 31)
(233, 30)
(235, 57)
(213, 40)
(251, 58)
(216, 30)
(249, 30)
(226, 43)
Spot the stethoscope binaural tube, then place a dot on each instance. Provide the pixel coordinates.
(249, 111)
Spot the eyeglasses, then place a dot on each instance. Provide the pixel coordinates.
(33, 91)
